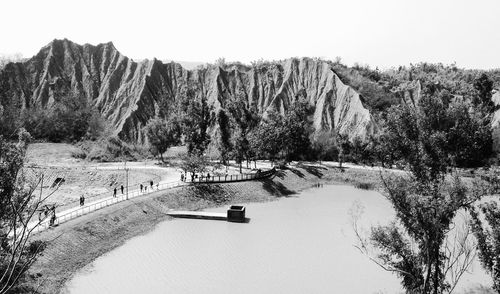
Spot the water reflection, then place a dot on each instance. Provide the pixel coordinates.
(295, 245)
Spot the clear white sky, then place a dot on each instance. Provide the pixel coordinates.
(380, 33)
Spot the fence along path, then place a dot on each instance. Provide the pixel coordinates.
(75, 212)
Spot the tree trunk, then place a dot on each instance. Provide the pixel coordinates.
(436, 270)
(428, 274)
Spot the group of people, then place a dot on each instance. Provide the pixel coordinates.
(45, 211)
(144, 188)
(196, 176)
(115, 190)
(201, 177)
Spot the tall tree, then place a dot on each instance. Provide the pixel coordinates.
(484, 88)
(20, 200)
(427, 200)
(162, 134)
(267, 139)
(296, 130)
(195, 122)
(193, 163)
(324, 146)
(224, 136)
(241, 147)
(344, 146)
(245, 119)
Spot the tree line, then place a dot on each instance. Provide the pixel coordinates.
(70, 118)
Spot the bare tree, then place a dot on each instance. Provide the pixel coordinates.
(459, 249)
(21, 197)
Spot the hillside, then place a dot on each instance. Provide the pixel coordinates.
(128, 93)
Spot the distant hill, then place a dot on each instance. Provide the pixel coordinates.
(128, 93)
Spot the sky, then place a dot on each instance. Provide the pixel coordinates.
(379, 33)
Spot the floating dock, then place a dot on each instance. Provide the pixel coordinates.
(234, 214)
(198, 214)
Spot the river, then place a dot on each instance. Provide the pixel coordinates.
(300, 244)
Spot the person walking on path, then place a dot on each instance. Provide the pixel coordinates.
(83, 200)
(151, 184)
(53, 217)
(114, 192)
(141, 188)
(182, 177)
(121, 188)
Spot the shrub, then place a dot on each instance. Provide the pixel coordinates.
(364, 185)
(78, 153)
(110, 149)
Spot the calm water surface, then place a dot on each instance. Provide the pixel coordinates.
(301, 244)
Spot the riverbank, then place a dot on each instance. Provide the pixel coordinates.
(77, 243)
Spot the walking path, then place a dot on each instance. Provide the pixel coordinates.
(68, 214)
(167, 182)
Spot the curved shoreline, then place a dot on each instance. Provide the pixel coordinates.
(77, 243)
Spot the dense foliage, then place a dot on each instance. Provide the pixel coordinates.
(488, 239)
(429, 140)
(284, 136)
(438, 134)
(68, 119)
(18, 207)
(195, 121)
(162, 134)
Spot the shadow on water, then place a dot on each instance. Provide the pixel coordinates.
(246, 221)
(276, 188)
(280, 174)
(297, 172)
(314, 170)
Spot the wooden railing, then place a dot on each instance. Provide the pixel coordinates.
(74, 213)
(231, 178)
(79, 211)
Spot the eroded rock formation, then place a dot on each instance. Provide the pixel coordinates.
(128, 93)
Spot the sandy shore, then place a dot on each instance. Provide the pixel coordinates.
(77, 243)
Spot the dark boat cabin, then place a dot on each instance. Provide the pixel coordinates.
(236, 213)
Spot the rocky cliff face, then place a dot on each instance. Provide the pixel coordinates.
(128, 93)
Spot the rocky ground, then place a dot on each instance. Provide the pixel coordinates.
(96, 180)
